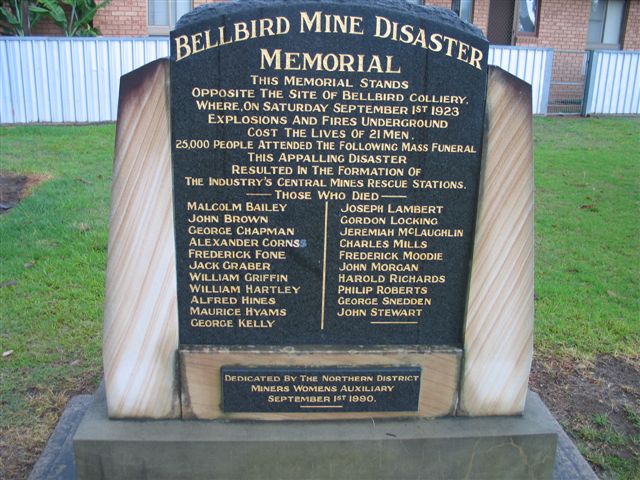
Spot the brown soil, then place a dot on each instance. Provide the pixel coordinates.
(597, 403)
(21, 445)
(575, 392)
(14, 188)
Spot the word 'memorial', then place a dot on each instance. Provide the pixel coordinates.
(319, 23)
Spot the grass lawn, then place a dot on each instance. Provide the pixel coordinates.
(587, 235)
(53, 246)
(53, 256)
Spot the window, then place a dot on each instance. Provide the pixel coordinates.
(605, 24)
(501, 22)
(528, 16)
(163, 14)
(463, 8)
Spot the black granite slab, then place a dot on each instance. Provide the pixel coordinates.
(326, 157)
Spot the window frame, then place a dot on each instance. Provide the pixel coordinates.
(623, 23)
(516, 21)
(162, 30)
(459, 5)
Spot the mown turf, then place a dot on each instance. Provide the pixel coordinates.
(588, 270)
(53, 256)
(587, 235)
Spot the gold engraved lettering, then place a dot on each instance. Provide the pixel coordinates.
(326, 62)
(451, 148)
(205, 323)
(322, 23)
(437, 42)
(187, 45)
(400, 290)
(396, 312)
(244, 323)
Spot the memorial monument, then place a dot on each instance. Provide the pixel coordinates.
(322, 211)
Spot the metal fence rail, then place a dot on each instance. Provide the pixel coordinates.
(614, 83)
(75, 80)
(533, 65)
(61, 79)
(568, 80)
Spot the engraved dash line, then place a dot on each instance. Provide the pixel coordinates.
(393, 323)
(393, 196)
(324, 264)
(320, 406)
(259, 194)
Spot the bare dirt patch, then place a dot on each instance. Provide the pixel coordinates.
(14, 188)
(21, 445)
(598, 404)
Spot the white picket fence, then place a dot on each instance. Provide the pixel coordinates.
(76, 80)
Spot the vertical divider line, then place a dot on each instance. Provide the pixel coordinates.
(324, 264)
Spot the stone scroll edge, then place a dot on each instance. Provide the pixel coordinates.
(141, 325)
(141, 319)
(498, 334)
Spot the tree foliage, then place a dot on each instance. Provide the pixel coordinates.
(76, 20)
(18, 17)
(74, 17)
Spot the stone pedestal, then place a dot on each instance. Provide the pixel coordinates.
(488, 447)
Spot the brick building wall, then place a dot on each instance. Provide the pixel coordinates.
(46, 28)
(481, 14)
(563, 23)
(631, 40)
(128, 18)
(563, 26)
(197, 3)
(439, 3)
(123, 18)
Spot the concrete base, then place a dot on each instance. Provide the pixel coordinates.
(496, 447)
